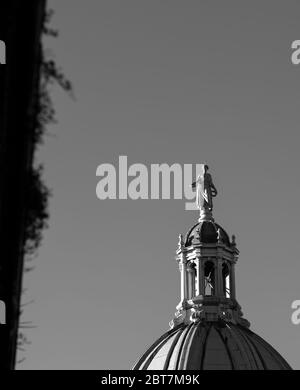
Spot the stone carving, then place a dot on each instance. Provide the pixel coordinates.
(219, 235)
(205, 190)
(233, 243)
(180, 241)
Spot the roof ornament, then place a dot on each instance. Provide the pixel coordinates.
(219, 236)
(180, 242)
(205, 191)
(233, 242)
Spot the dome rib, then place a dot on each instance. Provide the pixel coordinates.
(155, 354)
(269, 349)
(204, 346)
(250, 346)
(142, 362)
(180, 357)
(171, 351)
(226, 347)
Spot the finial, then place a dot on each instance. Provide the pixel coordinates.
(233, 243)
(198, 232)
(219, 235)
(180, 241)
(205, 191)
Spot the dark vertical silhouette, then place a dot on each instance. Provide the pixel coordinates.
(20, 28)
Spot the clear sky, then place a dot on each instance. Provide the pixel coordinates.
(165, 81)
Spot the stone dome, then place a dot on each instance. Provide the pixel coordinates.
(211, 346)
(207, 232)
(208, 330)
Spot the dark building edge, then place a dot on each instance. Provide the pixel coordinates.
(20, 29)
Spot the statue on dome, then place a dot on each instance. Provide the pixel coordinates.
(205, 190)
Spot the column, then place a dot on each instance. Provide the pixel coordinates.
(232, 281)
(219, 278)
(183, 277)
(191, 280)
(200, 276)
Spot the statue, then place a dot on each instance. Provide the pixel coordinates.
(205, 190)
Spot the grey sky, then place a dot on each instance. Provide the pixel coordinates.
(166, 81)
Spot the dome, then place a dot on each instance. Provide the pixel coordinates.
(211, 346)
(208, 330)
(207, 232)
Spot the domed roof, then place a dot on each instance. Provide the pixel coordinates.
(208, 330)
(211, 346)
(207, 232)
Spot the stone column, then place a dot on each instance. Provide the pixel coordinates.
(183, 277)
(200, 277)
(191, 280)
(232, 281)
(219, 278)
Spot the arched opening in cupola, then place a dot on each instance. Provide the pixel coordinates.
(226, 280)
(209, 278)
